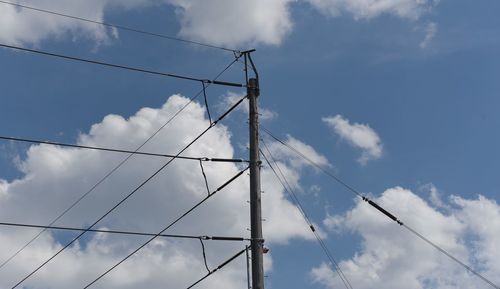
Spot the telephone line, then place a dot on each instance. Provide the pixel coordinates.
(120, 27)
(121, 232)
(289, 190)
(124, 67)
(218, 268)
(321, 168)
(132, 192)
(204, 159)
(387, 213)
(450, 256)
(167, 227)
(118, 166)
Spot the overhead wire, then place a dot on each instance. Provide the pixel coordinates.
(122, 232)
(116, 26)
(385, 212)
(134, 191)
(202, 159)
(119, 66)
(321, 168)
(470, 269)
(289, 189)
(167, 227)
(206, 101)
(218, 268)
(115, 168)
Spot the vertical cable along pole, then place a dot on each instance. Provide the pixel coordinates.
(249, 286)
(257, 242)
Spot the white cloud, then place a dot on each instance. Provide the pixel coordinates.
(3, 187)
(21, 26)
(292, 159)
(359, 135)
(392, 258)
(367, 9)
(482, 218)
(314, 190)
(307, 151)
(231, 98)
(228, 22)
(430, 32)
(219, 22)
(434, 195)
(54, 177)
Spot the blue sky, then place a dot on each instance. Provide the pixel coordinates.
(412, 84)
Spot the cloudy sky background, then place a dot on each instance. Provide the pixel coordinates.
(397, 97)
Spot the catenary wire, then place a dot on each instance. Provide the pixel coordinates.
(118, 166)
(167, 227)
(286, 185)
(133, 191)
(321, 168)
(288, 188)
(386, 213)
(120, 27)
(202, 159)
(122, 232)
(218, 268)
(119, 66)
(451, 256)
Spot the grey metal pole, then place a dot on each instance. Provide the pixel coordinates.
(257, 243)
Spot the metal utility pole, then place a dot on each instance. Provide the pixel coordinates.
(257, 243)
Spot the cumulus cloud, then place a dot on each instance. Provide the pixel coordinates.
(228, 22)
(54, 177)
(361, 136)
(390, 257)
(24, 26)
(307, 151)
(218, 22)
(295, 161)
(367, 9)
(231, 98)
(430, 32)
(434, 195)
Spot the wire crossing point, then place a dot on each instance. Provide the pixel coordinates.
(121, 163)
(385, 212)
(123, 200)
